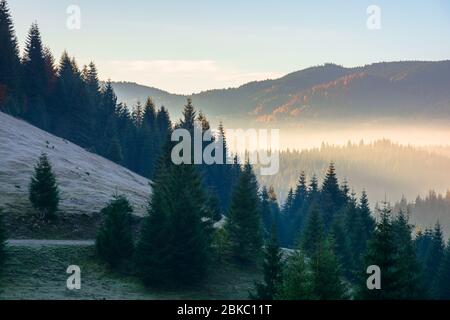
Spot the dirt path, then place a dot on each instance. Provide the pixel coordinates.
(41, 243)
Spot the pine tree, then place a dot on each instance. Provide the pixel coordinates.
(297, 279)
(331, 196)
(442, 288)
(164, 124)
(147, 139)
(114, 241)
(2, 240)
(287, 207)
(138, 114)
(410, 277)
(43, 191)
(189, 116)
(298, 209)
(90, 78)
(273, 268)
(153, 250)
(366, 216)
(224, 172)
(243, 224)
(9, 63)
(382, 252)
(314, 232)
(175, 242)
(204, 123)
(188, 224)
(422, 243)
(50, 75)
(313, 189)
(35, 80)
(266, 212)
(434, 257)
(327, 283)
(355, 229)
(275, 210)
(342, 245)
(301, 193)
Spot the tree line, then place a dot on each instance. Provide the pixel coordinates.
(71, 103)
(379, 167)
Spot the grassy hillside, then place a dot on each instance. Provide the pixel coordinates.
(87, 181)
(39, 272)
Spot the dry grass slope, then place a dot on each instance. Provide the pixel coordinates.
(87, 181)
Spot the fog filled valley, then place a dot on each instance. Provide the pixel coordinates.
(387, 171)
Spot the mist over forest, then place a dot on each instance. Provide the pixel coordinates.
(386, 170)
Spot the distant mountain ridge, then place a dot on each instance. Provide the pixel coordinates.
(413, 89)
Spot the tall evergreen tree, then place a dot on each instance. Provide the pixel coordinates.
(50, 75)
(189, 226)
(266, 211)
(34, 79)
(314, 233)
(434, 258)
(189, 116)
(442, 287)
(275, 210)
(327, 283)
(272, 269)
(9, 63)
(164, 124)
(356, 230)
(43, 191)
(287, 206)
(342, 245)
(301, 193)
(298, 209)
(331, 197)
(313, 190)
(422, 243)
(244, 220)
(175, 241)
(382, 252)
(147, 138)
(114, 241)
(410, 277)
(365, 214)
(90, 78)
(153, 250)
(138, 114)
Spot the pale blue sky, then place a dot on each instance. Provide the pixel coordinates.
(189, 46)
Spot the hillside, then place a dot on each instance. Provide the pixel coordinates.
(19, 280)
(87, 181)
(413, 89)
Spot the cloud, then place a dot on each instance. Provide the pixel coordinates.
(180, 76)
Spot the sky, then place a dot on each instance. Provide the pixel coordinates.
(191, 46)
